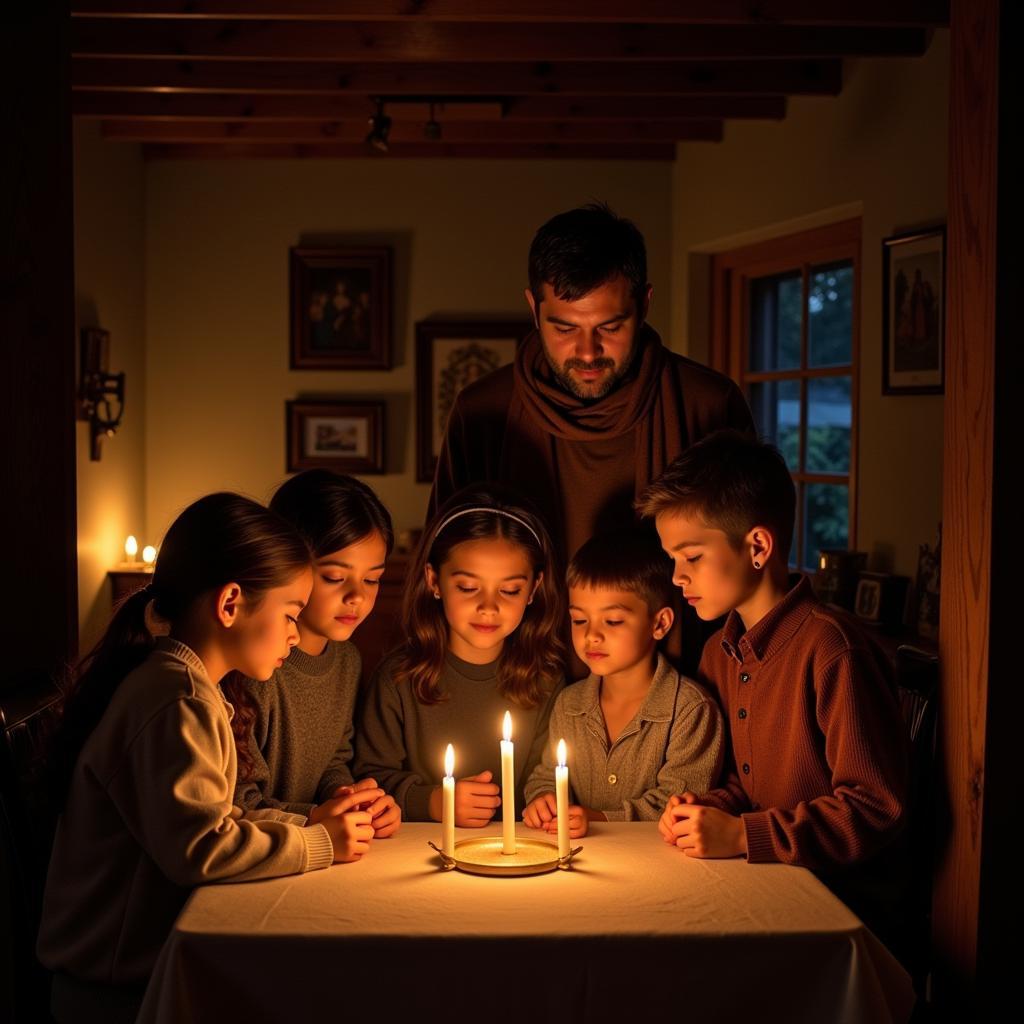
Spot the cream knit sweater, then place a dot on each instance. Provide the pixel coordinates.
(149, 815)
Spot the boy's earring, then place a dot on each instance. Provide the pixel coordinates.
(757, 565)
(437, 595)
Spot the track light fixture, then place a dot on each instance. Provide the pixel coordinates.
(432, 129)
(380, 127)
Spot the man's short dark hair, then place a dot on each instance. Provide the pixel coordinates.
(577, 251)
(630, 560)
(732, 483)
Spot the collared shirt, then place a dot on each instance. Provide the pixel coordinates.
(818, 754)
(673, 743)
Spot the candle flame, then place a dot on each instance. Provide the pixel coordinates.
(149, 554)
(561, 753)
(449, 761)
(131, 546)
(506, 727)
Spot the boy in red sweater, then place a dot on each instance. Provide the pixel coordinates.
(819, 756)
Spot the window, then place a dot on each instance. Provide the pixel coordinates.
(785, 328)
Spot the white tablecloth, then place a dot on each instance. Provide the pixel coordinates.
(636, 929)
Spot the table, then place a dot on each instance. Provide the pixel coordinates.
(635, 930)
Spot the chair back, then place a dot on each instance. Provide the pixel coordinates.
(29, 711)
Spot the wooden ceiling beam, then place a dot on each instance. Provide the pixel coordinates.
(212, 107)
(382, 41)
(625, 132)
(421, 150)
(717, 78)
(930, 13)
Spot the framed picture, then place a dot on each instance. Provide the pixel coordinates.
(449, 355)
(881, 599)
(341, 308)
(347, 436)
(913, 308)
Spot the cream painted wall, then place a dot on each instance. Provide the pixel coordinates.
(217, 239)
(109, 286)
(880, 148)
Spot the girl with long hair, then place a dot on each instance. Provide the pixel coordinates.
(145, 760)
(294, 730)
(484, 616)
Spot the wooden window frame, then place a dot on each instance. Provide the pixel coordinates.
(731, 274)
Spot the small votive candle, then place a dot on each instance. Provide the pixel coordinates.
(448, 803)
(149, 555)
(131, 548)
(562, 801)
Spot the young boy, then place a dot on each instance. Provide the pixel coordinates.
(819, 759)
(636, 730)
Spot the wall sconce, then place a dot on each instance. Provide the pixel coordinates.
(100, 392)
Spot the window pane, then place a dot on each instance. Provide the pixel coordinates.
(829, 415)
(775, 322)
(826, 520)
(776, 408)
(830, 315)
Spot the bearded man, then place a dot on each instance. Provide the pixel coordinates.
(594, 407)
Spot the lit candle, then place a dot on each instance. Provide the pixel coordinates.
(131, 548)
(448, 803)
(562, 801)
(149, 554)
(508, 789)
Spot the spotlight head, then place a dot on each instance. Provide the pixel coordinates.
(380, 127)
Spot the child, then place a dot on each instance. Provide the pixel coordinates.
(819, 771)
(483, 612)
(636, 730)
(145, 760)
(294, 730)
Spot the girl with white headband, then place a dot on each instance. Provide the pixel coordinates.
(483, 614)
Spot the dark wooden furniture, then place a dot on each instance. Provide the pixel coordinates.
(124, 582)
(383, 629)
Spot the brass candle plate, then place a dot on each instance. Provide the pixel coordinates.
(483, 856)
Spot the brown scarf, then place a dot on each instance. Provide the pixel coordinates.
(648, 401)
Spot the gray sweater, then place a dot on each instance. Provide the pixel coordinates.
(301, 742)
(401, 742)
(673, 743)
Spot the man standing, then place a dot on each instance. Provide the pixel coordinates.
(594, 407)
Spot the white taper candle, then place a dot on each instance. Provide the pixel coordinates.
(448, 803)
(508, 789)
(562, 801)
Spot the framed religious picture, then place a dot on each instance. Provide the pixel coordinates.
(913, 309)
(340, 434)
(449, 355)
(341, 308)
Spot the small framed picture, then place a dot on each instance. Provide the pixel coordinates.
(881, 599)
(449, 355)
(914, 305)
(347, 436)
(341, 308)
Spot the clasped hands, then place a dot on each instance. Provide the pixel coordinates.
(701, 831)
(355, 815)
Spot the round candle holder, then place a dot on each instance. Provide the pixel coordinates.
(483, 856)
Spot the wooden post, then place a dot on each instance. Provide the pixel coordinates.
(37, 352)
(974, 890)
